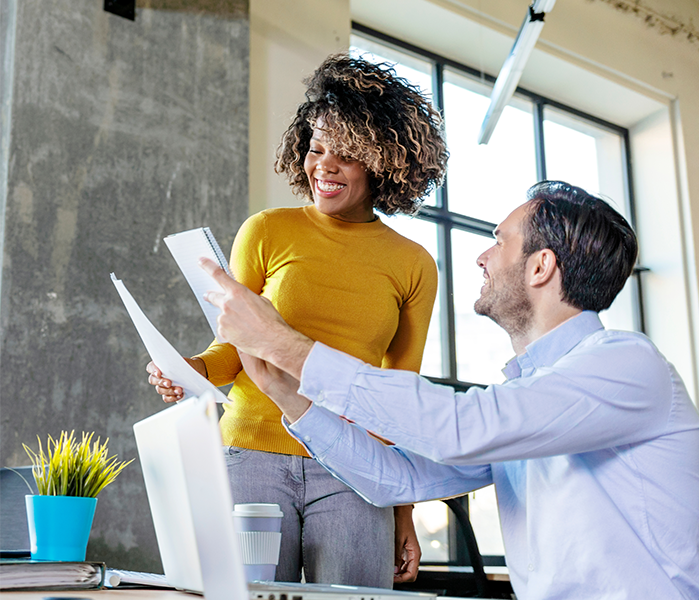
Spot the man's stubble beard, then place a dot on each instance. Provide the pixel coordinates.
(508, 304)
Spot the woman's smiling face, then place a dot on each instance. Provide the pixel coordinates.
(340, 187)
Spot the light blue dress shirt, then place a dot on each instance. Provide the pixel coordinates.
(592, 443)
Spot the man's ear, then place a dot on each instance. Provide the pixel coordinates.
(542, 267)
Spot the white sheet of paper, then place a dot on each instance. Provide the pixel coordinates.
(162, 353)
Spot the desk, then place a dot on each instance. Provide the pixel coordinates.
(104, 594)
(494, 574)
(109, 594)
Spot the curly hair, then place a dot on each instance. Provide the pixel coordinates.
(371, 115)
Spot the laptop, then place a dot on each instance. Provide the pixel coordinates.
(190, 502)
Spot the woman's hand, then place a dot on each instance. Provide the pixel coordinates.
(408, 551)
(281, 387)
(164, 386)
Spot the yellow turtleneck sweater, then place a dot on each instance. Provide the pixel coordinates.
(359, 287)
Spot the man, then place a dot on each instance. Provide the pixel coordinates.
(592, 443)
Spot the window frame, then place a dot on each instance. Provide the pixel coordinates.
(447, 220)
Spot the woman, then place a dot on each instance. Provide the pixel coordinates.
(363, 141)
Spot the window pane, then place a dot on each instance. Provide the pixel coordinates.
(416, 70)
(571, 156)
(586, 155)
(485, 519)
(425, 233)
(430, 520)
(621, 314)
(486, 181)
(482, 347)
(591, 157)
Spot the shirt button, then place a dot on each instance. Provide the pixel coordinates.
(530, 567)
(307, 438)
(321, 396)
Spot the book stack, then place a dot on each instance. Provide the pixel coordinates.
(17, 575)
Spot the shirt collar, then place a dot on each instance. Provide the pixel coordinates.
(556, 343)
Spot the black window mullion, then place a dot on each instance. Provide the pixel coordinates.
(625, 149)
(446, 222)
(447, 316)
(447, 312)
(438, 99)
(438, 215)
(637, 289)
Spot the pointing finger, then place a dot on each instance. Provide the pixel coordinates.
(219, 275)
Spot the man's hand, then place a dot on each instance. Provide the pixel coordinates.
(253, 325)
(408, 551)
(278, 385)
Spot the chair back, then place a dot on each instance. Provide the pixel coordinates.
(459, 580)
(476, 559)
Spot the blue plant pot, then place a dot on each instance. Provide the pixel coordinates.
(59, 526)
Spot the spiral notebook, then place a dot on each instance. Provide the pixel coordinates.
(187, 247)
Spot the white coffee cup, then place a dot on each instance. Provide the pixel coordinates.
(259, 532)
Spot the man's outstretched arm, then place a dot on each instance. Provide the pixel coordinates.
(254, 326)
(383, 475)
(588, 401)
(278, 385)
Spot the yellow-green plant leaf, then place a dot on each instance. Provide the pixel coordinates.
(72, 468)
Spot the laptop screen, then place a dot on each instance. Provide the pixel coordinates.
(191, 505)
(190, 500)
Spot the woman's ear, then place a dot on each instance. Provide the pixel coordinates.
(542, 267)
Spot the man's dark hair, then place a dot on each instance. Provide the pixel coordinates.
(594, 245)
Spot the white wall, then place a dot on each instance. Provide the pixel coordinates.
(665, 286)
(288, 40)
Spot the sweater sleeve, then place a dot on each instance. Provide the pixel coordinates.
(248, 267)
(408, 344)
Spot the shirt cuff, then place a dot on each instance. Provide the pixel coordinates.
(327, 377)
(318, 430)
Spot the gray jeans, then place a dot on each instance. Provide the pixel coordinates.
(327, 529)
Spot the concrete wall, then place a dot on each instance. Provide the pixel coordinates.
(116, 133)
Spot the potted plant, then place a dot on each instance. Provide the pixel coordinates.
(68, 477)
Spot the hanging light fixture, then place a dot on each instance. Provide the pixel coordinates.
(512, 69)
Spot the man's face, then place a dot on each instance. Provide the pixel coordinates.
(504, 295)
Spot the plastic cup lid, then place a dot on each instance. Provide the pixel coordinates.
(257, 510)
